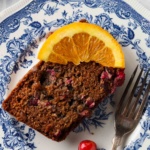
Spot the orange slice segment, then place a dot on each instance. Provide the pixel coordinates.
(82, 42)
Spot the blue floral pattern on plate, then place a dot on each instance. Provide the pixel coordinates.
(20, 52)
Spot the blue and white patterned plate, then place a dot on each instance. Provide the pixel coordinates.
(23, 32)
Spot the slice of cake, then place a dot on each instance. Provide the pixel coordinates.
(54, 98)
(58, 92)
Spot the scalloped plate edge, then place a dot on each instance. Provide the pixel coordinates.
(13, 9)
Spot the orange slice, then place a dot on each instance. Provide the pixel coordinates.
(82, 42)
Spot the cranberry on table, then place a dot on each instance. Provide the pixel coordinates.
(87, 145)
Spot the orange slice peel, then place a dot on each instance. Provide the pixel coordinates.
(82, 42)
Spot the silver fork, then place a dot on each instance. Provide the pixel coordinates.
(129, 111)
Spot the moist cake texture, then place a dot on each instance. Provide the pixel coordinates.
(53, 98)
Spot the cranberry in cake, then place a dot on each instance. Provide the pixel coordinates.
(81, 64)
(53, 98)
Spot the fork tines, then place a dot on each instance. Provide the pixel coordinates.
(134, 105)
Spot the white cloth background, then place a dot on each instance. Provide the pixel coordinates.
(145, 3)
(6, 3)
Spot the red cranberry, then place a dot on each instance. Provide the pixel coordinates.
(87, 145)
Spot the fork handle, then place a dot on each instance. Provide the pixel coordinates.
(116, 142)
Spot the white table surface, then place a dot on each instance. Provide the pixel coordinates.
(7, 3)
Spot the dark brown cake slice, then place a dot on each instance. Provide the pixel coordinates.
(53, 99)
